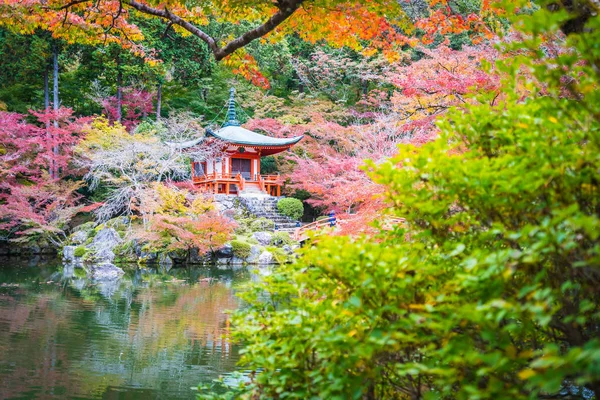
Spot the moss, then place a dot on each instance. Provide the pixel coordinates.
(80, 251)
(279, 255)
(241, 249)
(281, 239)
(252, 240)
(79, 273)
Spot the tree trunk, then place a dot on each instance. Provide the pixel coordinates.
(56, 105)
(119, 90)
(46, 89)
(158, 101)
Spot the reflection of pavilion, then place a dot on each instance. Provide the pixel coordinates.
(239, 171)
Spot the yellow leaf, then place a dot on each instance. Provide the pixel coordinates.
(526, 373)
(553, 120)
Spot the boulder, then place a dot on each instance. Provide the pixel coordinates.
(165, 261)
(178, 256)
(79, 237)
(287, 249)
(69, 254)
(266, 258)
(106, 271)
(225, 251)
(196, 257)
(104, 254)
(223, 261)
(263, 238)
(254, 254)
(148, 257)
(237, 261)
(104, 242)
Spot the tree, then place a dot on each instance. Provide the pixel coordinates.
(182, 221)
(490, 287)
(344, 23)
(130, 164)
(32, 201)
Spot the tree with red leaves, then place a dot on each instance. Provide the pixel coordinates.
(135, 104)
(329, 163)
(34, 158)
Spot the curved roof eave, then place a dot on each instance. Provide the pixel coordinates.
(239, 135)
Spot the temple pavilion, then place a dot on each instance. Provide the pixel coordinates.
(238, 172)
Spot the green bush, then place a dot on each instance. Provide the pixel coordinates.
(281, 239)
(244, 225)
(262, 224)
(240, 249)
(490, 288)
(291, 207)
(80, 251)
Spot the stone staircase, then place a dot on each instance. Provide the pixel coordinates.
(252, 188)
(266, 207)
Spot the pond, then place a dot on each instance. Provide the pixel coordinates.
(151, 335)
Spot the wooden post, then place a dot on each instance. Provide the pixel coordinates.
(227, 188)
(278, 190)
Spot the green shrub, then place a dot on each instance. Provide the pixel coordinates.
(240, 249)
(281, 239)
(291, 207)
(244, 225)
(490, 287)
(262, 224)
(80, 251)
(279, 255)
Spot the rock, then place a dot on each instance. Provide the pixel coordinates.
(79, 237)
(263, 238)
(237, 261)
(106, 271)
(287, 249)
(266, 258)
(223, 261)
(164, 260)
(178, 256)
(35, 249)
(106, 238)
(104, 255)
(225, 251)
(104, 242)
(254, 254)
(196, 258)
(69, 254)
(148, 257)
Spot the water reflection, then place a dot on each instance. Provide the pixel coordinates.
(150, 335)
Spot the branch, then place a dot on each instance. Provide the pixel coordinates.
(286, 9)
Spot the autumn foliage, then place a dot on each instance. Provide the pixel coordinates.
(35, 159)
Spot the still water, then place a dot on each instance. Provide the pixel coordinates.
(151, 335)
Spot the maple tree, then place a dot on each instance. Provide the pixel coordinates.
(181, 220)
(406, 99)
(135, 104)
(342, 23)
(35, 199)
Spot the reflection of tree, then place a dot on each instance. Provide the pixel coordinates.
(67, 339)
